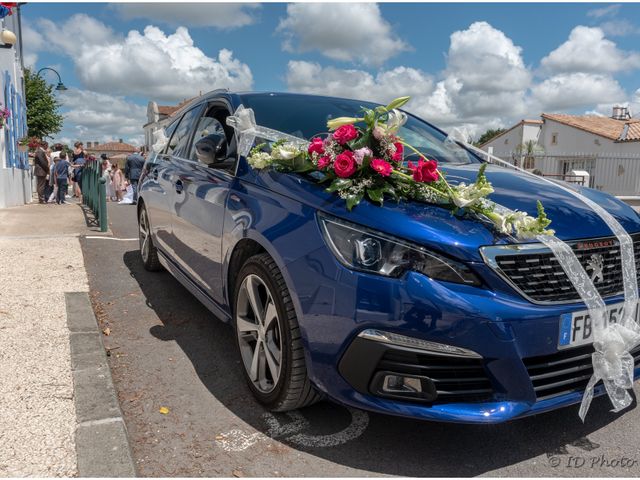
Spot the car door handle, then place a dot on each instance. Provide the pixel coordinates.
(179, 186)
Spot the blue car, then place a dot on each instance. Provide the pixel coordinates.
(404, 309)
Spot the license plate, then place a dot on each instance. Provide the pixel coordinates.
(577, 328)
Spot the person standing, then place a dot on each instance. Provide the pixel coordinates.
(78, 161)
(41, 170)
(133, 170)
(61, 172)
(117, 180)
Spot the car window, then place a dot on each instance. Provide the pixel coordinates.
(180, 138)
(168, 132)
(206, 126)
(306, 116)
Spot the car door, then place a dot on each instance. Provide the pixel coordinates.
(157, 188)
(199, 207)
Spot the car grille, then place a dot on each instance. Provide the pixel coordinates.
(539, 276)
(564, 372)
(456, 379)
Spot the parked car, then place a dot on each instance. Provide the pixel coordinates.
(403, 309)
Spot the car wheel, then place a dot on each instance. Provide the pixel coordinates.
(148, 251)
(268, 337)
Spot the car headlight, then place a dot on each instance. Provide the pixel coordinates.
(361, 249)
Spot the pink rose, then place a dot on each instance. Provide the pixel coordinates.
(380, 166)
(316, 145)
(360, 153)
(345, 134)
(397, 156)
(323, 162)
(344, 164)
(425, 171)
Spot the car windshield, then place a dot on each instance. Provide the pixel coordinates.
(306, 117)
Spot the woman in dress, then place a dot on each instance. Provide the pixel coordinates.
(78, 161)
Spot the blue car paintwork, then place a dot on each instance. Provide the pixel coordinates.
(333, 304)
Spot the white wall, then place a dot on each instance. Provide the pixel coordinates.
(506, 143)
(571, 140)
(15, 183)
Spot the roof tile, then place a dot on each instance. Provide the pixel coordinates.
(603, 126)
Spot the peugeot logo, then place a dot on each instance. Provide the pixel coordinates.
(596, 265)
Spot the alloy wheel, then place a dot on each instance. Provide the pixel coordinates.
(143, 235)
(259, 335)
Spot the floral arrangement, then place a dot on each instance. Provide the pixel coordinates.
(30, 143)
(5, 113)
(365, 158)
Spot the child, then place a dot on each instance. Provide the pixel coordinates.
(61, 172)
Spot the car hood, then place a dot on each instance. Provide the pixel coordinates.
(437, 228)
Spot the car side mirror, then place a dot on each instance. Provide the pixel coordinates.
(212, 149)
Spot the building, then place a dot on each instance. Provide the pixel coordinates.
(159, 116)
(15, 171)
(116, 151)
(607, 148)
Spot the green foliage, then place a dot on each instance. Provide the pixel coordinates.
(43, 119)
(488, 135)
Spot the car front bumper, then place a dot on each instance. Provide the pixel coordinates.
(520, 363)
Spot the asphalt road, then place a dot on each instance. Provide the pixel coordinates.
(167, 350)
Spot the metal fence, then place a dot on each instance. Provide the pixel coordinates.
(615, 174)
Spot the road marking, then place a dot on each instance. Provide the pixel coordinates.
(238, 440)
(359, 423)
(112, 238)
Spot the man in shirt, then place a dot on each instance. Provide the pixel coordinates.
(41, 170)
(133, 170)
(61, 172)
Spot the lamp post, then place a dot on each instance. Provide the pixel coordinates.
(60, 87)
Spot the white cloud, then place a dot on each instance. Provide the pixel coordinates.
(32, 43)
(576, 90)
(353, 32)
(587, 50)
(619, 28)
(485, 84)
(308, 77)
(92, 116)
(219, 15)
(79, 32)
(162, 67)
(159, 66)
(608, 11)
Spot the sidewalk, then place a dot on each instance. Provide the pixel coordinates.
(42, 265)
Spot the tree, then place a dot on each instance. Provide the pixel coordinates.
(525, 154)
(488, 135)
(43, 119)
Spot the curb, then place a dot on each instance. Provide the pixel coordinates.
(102, 445)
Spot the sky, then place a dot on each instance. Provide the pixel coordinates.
(470, 65)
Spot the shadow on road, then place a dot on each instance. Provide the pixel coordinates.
(389, 445)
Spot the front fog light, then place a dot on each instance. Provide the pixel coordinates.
(402, 386)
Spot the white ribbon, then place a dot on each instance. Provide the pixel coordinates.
(612, 362)
(244, 123)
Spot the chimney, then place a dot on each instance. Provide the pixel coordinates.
(620, 113)
(120, 141)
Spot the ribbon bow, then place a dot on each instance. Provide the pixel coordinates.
(243, 122)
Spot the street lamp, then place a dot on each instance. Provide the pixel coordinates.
(60, 87)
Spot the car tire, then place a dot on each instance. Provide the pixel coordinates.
(258, 337)
(148, 251)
